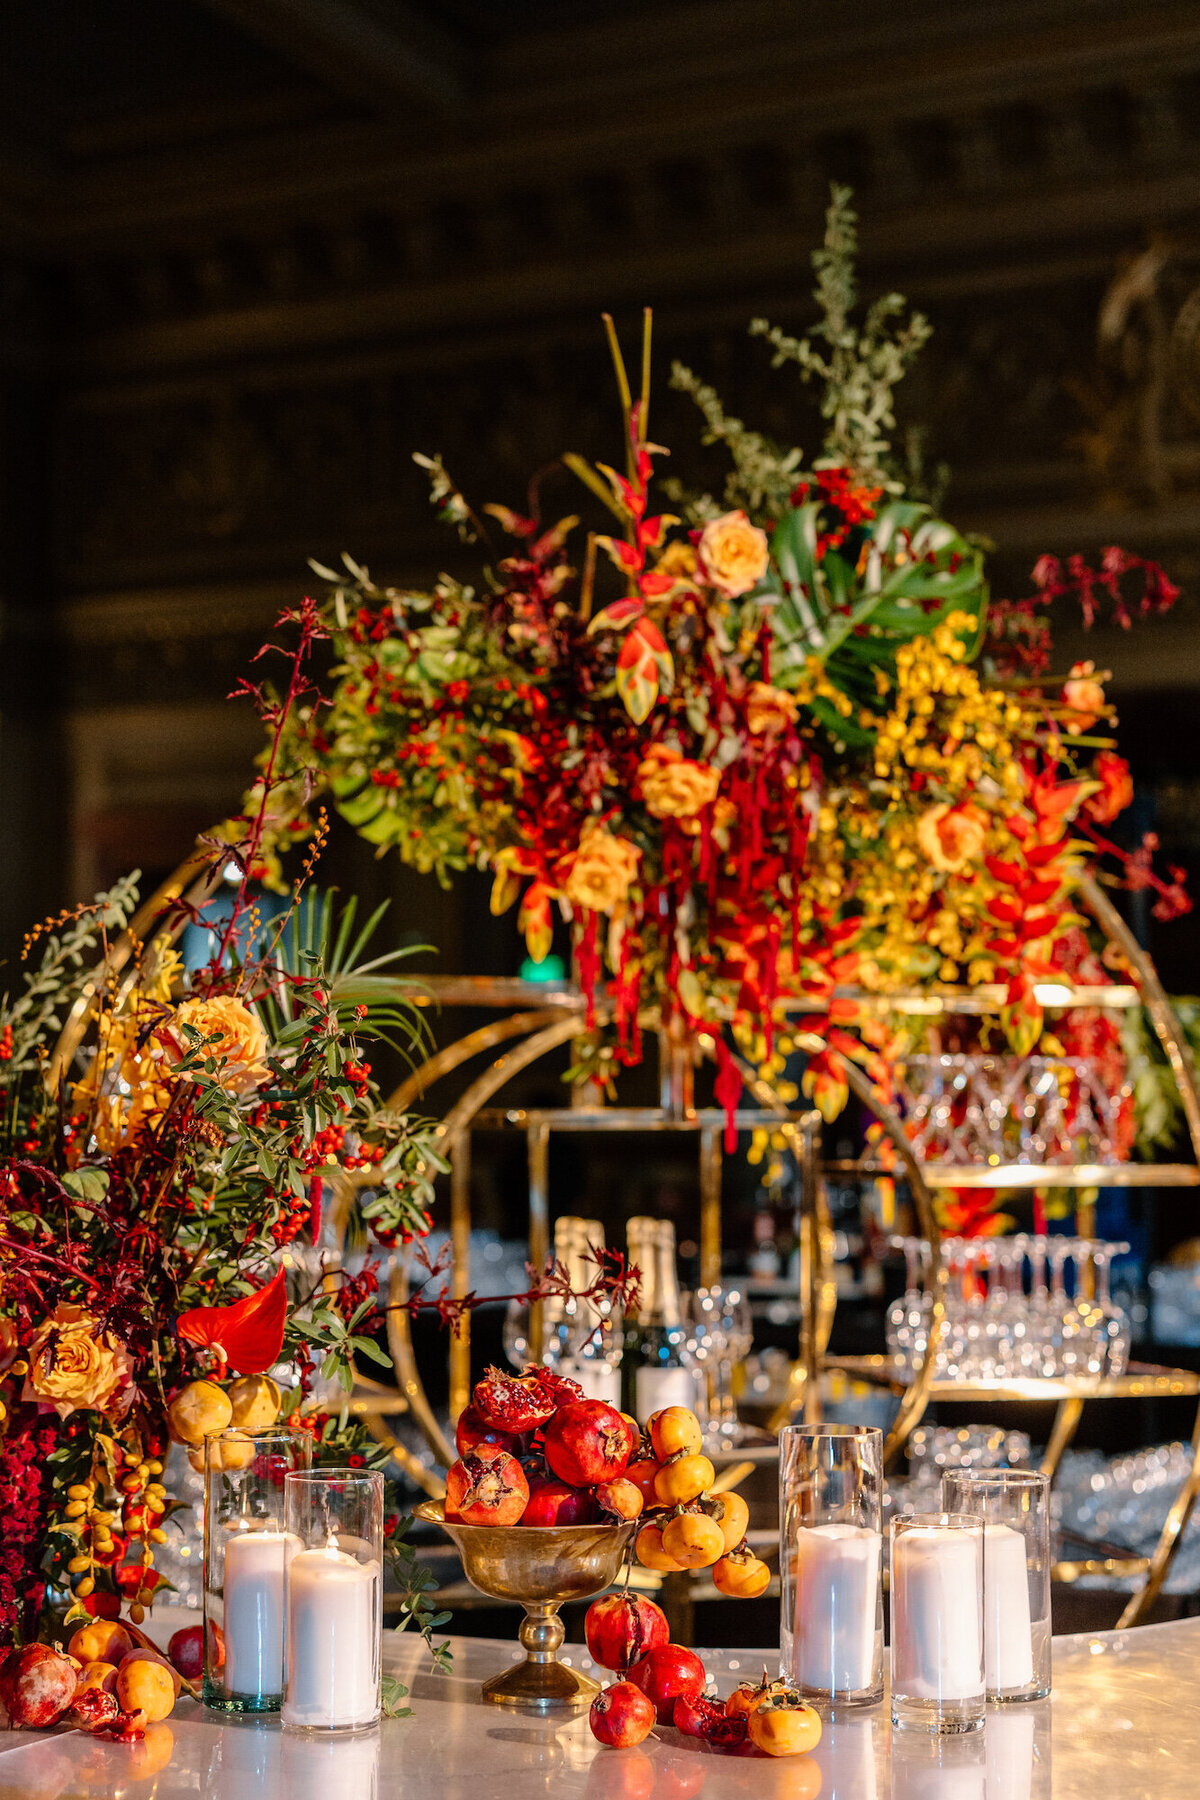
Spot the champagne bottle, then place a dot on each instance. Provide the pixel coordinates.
(590, 1355)
(655, 1362)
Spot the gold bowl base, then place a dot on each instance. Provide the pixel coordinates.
(540, 1566)
(538, 1687)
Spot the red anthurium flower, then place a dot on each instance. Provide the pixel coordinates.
(248, 1335)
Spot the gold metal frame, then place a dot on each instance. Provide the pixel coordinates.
(548, 1017)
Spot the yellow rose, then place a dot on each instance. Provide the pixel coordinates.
(674, 788)
(601, 870)
(732, 554)
(769, 709)
(72, 1363)
(951, 836)
(239, 1049)
(1085, 697)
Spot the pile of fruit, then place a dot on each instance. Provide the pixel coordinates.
(533, 1451)
(110, 1680)
(662, 1683)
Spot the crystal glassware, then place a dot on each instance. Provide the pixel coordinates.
(245, 1545)
(830, 1562)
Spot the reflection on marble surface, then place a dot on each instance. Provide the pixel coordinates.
(1122, 1717)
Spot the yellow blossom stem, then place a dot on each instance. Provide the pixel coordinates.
(623, 389)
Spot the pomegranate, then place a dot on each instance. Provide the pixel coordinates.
(619, 1499)
(486, 1487)
(95, 1708)
(558, 1388)
(554, 1503)
(471, 1431)
(37, 1684)
(588, 1442)
(700, 1716)
(621, 1628)
(621, 1716)
(665, 1673)
(512, 1403)
(186, 1651)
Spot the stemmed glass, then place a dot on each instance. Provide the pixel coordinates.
(1110, 1326)
(722, 1335)
(908, 1317)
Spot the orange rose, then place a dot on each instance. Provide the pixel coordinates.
(72, 1363)
(951, 836)
(674, 788)
(732, 554)
(1084, 696)
(769, 709)
(1116, 788)
(601, 870)
(240, 1043)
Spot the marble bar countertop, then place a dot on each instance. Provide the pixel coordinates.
(1123, 1723)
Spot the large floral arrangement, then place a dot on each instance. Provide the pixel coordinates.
(161, 1192)
(790, 748)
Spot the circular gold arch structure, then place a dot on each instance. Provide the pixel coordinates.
(545, 1019)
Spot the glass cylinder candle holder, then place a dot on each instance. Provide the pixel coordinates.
(245, 1545)
(1014, 1505)
(830, 1560)
(334, 1600)
(937, 1622)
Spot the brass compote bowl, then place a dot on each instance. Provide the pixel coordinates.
(541, 1566)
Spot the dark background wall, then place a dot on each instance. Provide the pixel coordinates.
(254, 252)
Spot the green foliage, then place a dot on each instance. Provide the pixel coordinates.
(859, 368)
(67, 958)
(763, 475)
(1157, 1105)
(905, 573)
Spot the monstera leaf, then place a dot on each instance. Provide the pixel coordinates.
(854, 607)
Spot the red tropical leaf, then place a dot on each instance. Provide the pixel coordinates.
(247, 1335)
(617, 616)
(534, 921)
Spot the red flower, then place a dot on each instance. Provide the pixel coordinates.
(247, 1335)
(1116, 790)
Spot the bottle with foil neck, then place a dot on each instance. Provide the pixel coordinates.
(657, 1368)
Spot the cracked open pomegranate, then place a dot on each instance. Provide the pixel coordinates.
(486, 1487)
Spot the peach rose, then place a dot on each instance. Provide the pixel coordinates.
(732, 554)
(72, 1363)
(674, 788)
(951, 836)
(1085, 697)
(601, 870)
(239, 1050)
(769, 709)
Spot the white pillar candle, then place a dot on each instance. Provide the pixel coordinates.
(837, 1603)
(937, 1633)
(1007, 1636)
(334, 1621)
(253, 1611)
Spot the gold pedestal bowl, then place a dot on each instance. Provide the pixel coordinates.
(541, 1566)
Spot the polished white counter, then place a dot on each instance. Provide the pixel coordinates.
(1123, 1724)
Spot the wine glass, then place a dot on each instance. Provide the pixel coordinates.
(1111, 1326)
(726, 1311)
